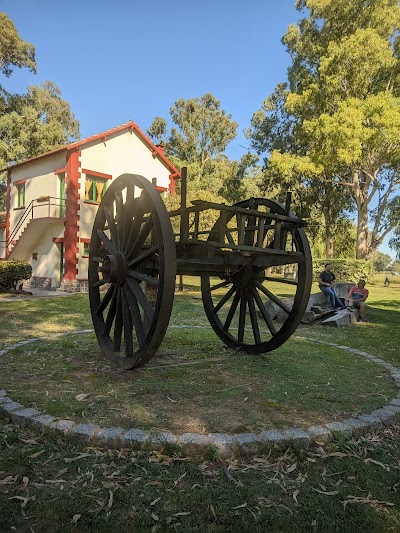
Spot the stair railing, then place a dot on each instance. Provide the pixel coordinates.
(48, 201)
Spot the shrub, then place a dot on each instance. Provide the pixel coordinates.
(350, 270)
(13, 271)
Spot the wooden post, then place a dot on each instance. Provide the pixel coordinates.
(184, 222)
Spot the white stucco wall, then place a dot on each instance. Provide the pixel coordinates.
(47, 263)
(40, 181)
(121, 153)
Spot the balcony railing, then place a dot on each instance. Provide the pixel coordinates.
(43, 207)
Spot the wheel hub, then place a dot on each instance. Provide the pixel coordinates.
(114, 268)
(243, 277)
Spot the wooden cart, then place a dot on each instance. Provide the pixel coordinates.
(135, 254)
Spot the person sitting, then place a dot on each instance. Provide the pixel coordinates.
(387, 282)
(357, 296)
(326, 282)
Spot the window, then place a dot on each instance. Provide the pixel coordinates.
(20, 195)
(94, 188)
(86, 247)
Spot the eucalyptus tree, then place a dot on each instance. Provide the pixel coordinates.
(200, 133)
(342, 104)
(36, 121)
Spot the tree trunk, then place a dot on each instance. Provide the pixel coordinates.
(362, 251)
(328, 234)
(361, 182)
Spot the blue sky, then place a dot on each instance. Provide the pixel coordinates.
(132, 59)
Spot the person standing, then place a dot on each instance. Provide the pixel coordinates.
(326, 282)
(357, 296)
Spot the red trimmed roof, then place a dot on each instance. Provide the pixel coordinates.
(131, 126)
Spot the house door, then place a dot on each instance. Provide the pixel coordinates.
(61, 178)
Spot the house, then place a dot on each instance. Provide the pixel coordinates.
(52, 201)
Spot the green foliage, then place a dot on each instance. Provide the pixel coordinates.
(35, 122)
(14, 51)
(158, 129)
(30, 123)
(11, 272)
(207, 217)
(381, 261)
(203, 131)
(345, 270)
(338, 121)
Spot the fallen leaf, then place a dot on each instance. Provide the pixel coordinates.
(240, 506)
(295, 494)
(213, 512)
(29, 441)
(327, 493)
(36, 454)
(155, 501)
(75, 518)
(292, 468)
(80, 456)
(154, 517)
(369, 460)
(81, 397)
(183, 513)
(110, 500)
(24, 501)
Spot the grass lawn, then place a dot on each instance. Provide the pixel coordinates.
(197, 384)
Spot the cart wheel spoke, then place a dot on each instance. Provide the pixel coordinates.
(137, 244)
(145, 255)
(272, 297)
(264, 312)
(118, 325)
(242, 315)
(140, 297)
(128, 339)
(111, 314)
(232, 310)
(106, 241)
(277, 280)
(253, 318)
(106, 300)
(112, 227)
(137, 216)
(143, 277)
(135, 316)
(120, 218)
(224, 299)
(220, 285)
(99, 283)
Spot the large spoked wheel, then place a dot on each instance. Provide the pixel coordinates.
(243, 307)
(132, 254)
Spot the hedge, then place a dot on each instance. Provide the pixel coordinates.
(345, 270)
(11, 272)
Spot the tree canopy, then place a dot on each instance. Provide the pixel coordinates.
(14, 51)
(34, 122)
(337, 120)
(200, 133)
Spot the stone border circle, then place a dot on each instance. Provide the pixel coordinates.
(195, 444)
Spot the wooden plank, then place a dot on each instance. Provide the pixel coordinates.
(200, 205)
(244, 248)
